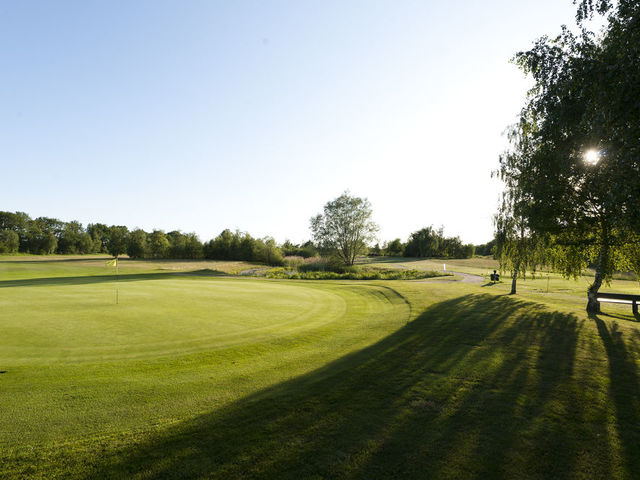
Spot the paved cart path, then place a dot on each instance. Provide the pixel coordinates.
(466, 278)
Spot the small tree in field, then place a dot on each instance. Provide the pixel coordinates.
(518, 247)
(345, 227)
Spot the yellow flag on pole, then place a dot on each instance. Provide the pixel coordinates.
(114, 263)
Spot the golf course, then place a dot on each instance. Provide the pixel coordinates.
(199, 372)
(336, 240)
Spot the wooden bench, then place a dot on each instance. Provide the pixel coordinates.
(619, 298)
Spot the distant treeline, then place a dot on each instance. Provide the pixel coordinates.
(488, 248)
(19, 233)
(429, 242)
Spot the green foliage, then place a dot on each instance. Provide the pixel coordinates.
(345, 227)
(192, 247)
(116, 241)
(486, 249)
(266, 251)
(319, 264)
(631, 255)
(292, 261)
(34, 236)
(177, 243)
(586, 8)
(424, 243)
(319, 268)
(242, 246)
(394, 248)
(73, 239)
(158, 244)
(226, 246)
(184, 245)
(585, 98)
(99, 236)
(137, 244)
(351, 274)
(9, 241)
(375, 251)
(247, 248)
(305, 250)
(49, 235)
(223, 247)
(17, 222)
(45, 235)
(429, 242)
(38, 240)
(327, 264)
(518, 247)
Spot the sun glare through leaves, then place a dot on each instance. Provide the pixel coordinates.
(592, 156)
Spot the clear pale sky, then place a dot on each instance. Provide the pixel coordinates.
(205, 115)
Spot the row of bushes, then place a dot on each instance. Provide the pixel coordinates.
(318, 264)
(355, 274)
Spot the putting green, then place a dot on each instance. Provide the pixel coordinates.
(156, 318)
(77, 364)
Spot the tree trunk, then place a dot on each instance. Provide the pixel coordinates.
(593, 305)
(514, 277)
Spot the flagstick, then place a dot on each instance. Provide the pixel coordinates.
(116, 280)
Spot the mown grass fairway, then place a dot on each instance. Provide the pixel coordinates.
(193, 376)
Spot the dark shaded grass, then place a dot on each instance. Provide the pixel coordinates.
(625, 390)
(91, 279)
(475, 387)
(31, 261)
(627, 318)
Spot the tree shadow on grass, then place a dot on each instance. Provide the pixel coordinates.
(631, 317)
(90, 279)
(624, 385)
(476, 387)
(57, 260)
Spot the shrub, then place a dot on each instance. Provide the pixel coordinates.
(293, 261)
(324, 264)
(314, 264)
(353, 275)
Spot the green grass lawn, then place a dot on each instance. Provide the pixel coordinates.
(476, 265)
(219, 377)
